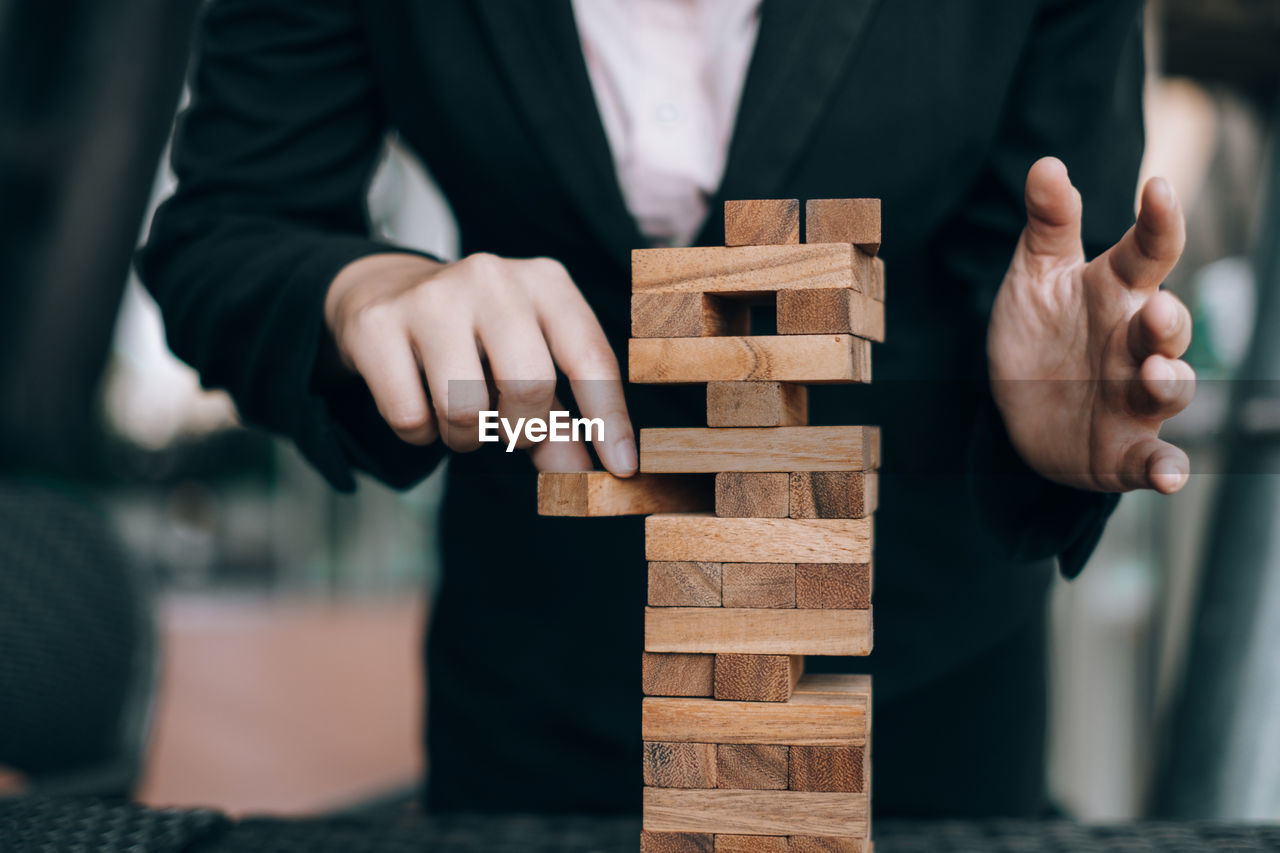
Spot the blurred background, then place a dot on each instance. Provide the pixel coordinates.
(253, 637)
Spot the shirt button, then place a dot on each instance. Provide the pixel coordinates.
(667, 113)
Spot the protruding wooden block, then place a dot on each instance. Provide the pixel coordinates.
(757, 404)
(819, 844)
(876, 291)
(677, 675)
(684, 584)
(752, 844)
(705, 537)
(749, 269)
(730, 812)
(828, 768)
(676, 842)
(752, 631)
(599, 493)
(843, 220)
(834, 494)
(679, 765)
(687, 315)
(753, 767)
(826, 710)
(757, 678)
(833, 586)
(762, 222)
(816, 359)
(695, 450)
(752, 495)
(758, 585)
(836, 311)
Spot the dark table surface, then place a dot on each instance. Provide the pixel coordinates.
(46, 825)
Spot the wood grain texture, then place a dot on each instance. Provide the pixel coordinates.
(827, 844)
(800, 449)
(687, 315)
(752, 844)
(705, 537)
(742, 494)
(762, 222)
(751, 766)
(757, 404)
(676, 842)
(684, 584)
(599, 493)
(843, 220)
(827, 768)
(758, 585)
(833, 586)
(677, 675)
(755, 812)
(834, 713)
(757, 678)
(679, 765)
(731, 630)
(834, 311)
(834, 494)
(749, 269)
(816, 359)
(876, 290)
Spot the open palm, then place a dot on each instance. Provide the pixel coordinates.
(1085, 357)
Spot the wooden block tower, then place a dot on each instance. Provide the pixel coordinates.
(742, 751)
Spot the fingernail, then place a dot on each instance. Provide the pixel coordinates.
(624, 455)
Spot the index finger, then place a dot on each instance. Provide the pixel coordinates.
(582, 351)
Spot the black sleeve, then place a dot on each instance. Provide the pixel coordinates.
(1077, 96)
(273, 158)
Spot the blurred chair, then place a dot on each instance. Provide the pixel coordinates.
(77, 654)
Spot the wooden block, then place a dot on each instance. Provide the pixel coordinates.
(843, 220)
(836, 311)
(757, 631)
(757, 678)
(755, 812)
(684, 584)
(687, 315)
(750, 269)
(833, 586)
(759, 585)
(699, 536)
(677, 675)
(676, 842)
(752, 495)
(751, 766)
(827, 844)
(816, 359)
(679, 765)
(827, 768)
(830, 710)
(876, 290)
(599, 493)
(757, 404)
(752, 844)
(833, 494)
(696, 450)
(762, 222)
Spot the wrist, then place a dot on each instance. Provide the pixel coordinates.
(364, 279)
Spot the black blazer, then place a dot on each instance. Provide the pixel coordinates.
(939, 108)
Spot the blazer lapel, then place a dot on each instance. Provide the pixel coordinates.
(800, 53)
(537, 44)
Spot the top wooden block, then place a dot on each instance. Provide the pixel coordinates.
(843, 220)
(746, 270)
(762, 222)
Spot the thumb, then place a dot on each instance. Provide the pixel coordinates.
(1054, 207)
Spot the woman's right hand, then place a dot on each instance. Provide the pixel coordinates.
(480, 331)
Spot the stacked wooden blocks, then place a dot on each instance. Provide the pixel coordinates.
(742, 751)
